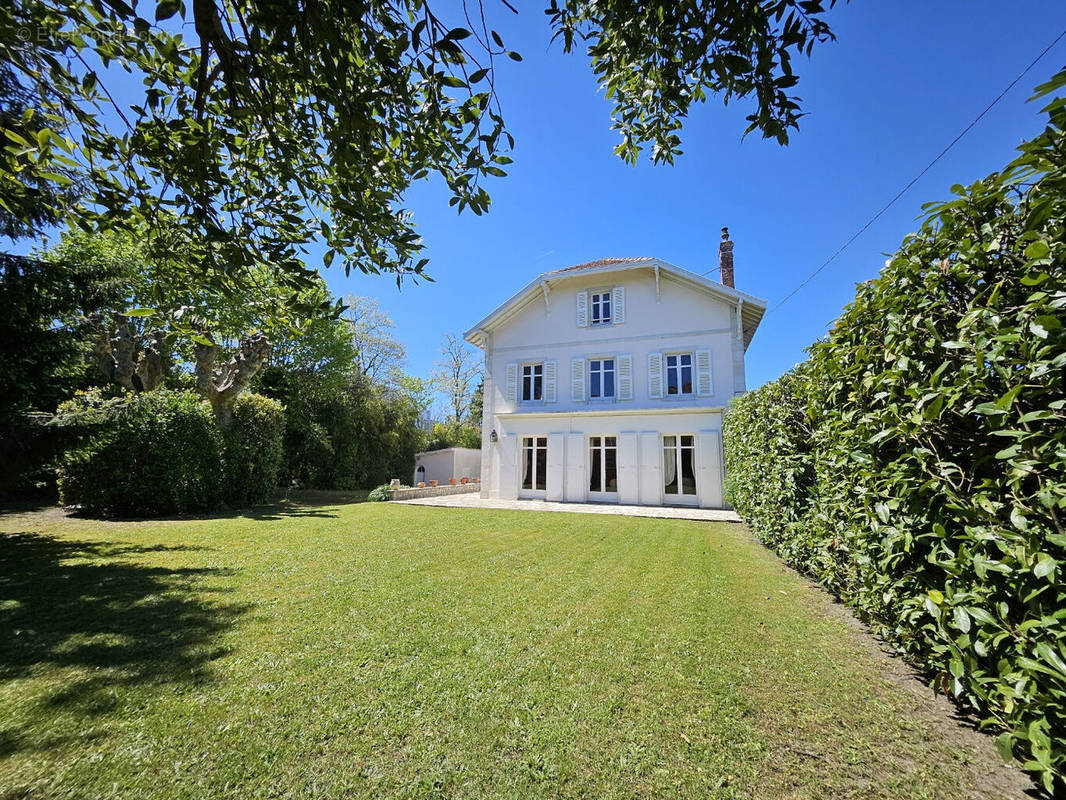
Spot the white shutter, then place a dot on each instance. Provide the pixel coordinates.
(625, 377)
(704, 379)
(618, 305)
(512, 383)
(549, 381)
(577, 380)
(582, 309)
(655, 375)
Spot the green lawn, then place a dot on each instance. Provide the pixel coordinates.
(391, 651)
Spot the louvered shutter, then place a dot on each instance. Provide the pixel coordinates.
(582, 309)
(618, 305)
(549, 381)
(655, 375)
(577, 380)
(625, 377)
(512, 383)
(704, 378)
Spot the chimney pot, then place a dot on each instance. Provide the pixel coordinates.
(725, 259)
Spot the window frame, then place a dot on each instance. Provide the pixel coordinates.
(691, 367)
(608, 294)
(532, 366)
(602, 398)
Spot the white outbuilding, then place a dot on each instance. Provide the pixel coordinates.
(443, 465)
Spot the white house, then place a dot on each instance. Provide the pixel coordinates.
(606, 382)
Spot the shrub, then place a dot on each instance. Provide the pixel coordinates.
(254, 449)
(154, 453)
(925, 443)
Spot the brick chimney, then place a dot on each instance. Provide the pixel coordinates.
(725, 259)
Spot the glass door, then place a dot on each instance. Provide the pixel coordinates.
(679, 470)
(534, 466)
(603, 468)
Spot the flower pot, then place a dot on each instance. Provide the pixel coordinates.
(452, 481)
(422, 485)
(432, 483)
(464, 480)
(477, 480)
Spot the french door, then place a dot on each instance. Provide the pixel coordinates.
(534, 466)
(679, 470)
(603, 468)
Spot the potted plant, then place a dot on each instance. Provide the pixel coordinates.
(452, 481)
(464, 480)
(422, 485)
(432, 483)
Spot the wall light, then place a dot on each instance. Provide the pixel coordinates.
(494, 437)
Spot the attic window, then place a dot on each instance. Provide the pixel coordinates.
(601, 308)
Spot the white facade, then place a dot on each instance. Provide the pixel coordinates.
(606, 382)
(445, 464)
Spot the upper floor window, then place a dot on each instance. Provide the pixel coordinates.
(532, 382)
(601, 378)
(601, 308)
(679, 373)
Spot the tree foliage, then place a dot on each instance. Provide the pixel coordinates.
(264, 126)
(930, 493)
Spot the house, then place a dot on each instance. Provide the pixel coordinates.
(606, 382)
(447, 463)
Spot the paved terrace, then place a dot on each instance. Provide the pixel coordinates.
(661, 512)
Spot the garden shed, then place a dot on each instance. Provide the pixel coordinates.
(443, 465)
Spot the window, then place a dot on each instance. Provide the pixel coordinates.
(601, 378)
(601, 308)
(534, 463)
(603, 464)
(679, 373)
(532, 382)
(679, 472)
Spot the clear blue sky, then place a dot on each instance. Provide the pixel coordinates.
(902, 80)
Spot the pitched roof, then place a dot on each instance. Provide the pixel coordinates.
(600, 262)
(752, 308)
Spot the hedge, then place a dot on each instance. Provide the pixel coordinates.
(254, 449)
(916, 463)
(162, 452)
(155, 453)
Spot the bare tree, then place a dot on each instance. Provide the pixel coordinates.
(378, 354)
(458, 374)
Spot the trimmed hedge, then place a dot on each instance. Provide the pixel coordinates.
(159, 453)
(916, 464)
(162, 452)
(254, 449)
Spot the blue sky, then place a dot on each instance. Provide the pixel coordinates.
(902, 81)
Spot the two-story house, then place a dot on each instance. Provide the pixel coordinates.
(606, 382)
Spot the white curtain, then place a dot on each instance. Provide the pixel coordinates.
(527, 459)
(670, 459)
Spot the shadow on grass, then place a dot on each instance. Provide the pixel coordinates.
(84, 606)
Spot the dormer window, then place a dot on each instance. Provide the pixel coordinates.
(601, 308)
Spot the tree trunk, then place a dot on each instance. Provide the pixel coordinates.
(223, 384)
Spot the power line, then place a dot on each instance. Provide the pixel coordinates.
(918, 177)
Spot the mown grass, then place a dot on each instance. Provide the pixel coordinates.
(390, 651)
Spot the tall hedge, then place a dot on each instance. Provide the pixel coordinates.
(155, 453)
(254, 449)
(916, 463)
(163, 452)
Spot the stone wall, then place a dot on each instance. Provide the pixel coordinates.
(433, 491)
